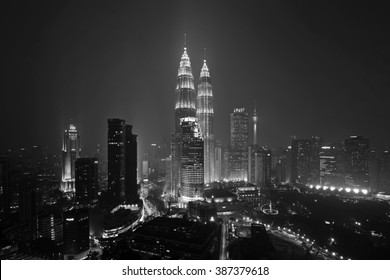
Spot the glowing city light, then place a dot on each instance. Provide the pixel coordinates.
(348, 190)
(332, 188)
(356, 190)
(364, 191)
(318, 187)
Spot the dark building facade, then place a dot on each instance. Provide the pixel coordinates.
(384, 173)
(76, 233)
(86, 181)
(173, 238)
(356, 163)
(238, 150)
(122, 162)
(131, 188)
(305, 160)
(5, 192)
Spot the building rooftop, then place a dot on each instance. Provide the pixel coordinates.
(177, 230)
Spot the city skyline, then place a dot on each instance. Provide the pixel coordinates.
(322, 67)
(273, 146)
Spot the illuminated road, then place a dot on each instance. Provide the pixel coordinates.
(224, 234)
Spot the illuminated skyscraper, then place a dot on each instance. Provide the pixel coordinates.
(205, 115)
(70, 152)
(185, 106)
(192, 171)
(255, 120)
(253, 149)
(238, 152)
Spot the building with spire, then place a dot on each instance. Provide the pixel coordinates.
(205, 115)
(185, 106)
(70, 152)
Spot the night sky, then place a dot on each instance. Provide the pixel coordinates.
(312, 68)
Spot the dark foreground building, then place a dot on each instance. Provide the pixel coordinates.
(166, 238)
(76, 234)
(122, 162)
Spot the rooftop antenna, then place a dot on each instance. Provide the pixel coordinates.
(185, 41)
(204, 54)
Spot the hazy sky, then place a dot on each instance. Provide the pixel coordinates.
(313, 68)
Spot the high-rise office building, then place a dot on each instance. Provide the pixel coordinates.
(238, 150)
(205, 115)
(122, 162)
(48, 224)
(305, 160)
(331, 159)
(116, 158)
(70, 152)
(356, 164)
(259, 165)
(192, 169)
(76, 233)
(86, 181)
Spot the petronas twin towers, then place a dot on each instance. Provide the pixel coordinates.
(199, 107)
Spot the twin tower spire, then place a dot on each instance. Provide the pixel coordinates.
(200, 105)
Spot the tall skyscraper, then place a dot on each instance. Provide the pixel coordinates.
(330, 163)
(131, 188)
(205, 115)
(305, 160)
(116, 158)
(185, 106)
(356, 164)
(255, 120)
(86, 181)
(253, 150)
(192, 169)
(122, 162)
(70, 152)
(238, 150)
